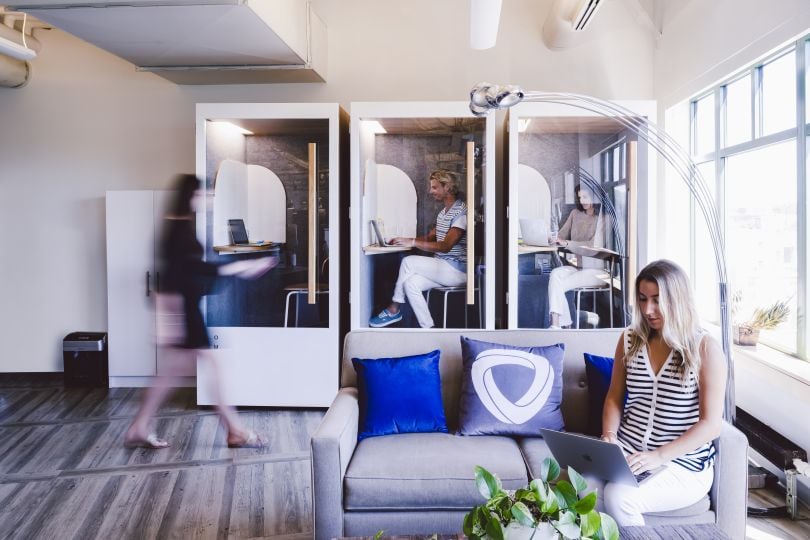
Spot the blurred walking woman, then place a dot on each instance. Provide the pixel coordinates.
(674, 377)
(181, 327)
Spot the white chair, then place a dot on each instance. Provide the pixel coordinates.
(461, 289)
(302, 288)
(610, 257)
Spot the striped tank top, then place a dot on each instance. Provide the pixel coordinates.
(659, 409)
(455, 216)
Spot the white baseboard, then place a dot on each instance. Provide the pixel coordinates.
(142, 382)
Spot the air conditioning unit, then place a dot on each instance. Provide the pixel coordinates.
(567, 21)
(584, 14)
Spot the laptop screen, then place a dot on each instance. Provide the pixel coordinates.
(236, 228)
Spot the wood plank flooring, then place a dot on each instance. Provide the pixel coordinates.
(65, 474)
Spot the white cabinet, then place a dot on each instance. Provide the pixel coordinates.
(134, 220)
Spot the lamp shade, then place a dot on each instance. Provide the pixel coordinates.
(484, 17)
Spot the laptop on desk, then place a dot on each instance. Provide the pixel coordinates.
(534, 231)
(239, 236)
(380, 240)
(594, 457)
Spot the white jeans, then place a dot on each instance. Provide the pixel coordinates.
(673, 488)
(565, 278)
(418, 273)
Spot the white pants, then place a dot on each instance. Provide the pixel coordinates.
(565, 278)
(670, 489)
(418, 273)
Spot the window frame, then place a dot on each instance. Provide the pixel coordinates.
(799, 133)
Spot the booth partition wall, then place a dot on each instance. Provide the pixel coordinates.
(271, 179)
(394, 149)
(576, 183)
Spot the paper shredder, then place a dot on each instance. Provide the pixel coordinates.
(85, 359)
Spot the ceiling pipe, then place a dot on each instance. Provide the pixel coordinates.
(13, 73)
(484, 18)
(16, 37)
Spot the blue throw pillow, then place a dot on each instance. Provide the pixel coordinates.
(509, 390)
(598, 370)
(400, 395)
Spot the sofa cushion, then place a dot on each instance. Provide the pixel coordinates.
(510, 390)
(400, 395)
(417, 471)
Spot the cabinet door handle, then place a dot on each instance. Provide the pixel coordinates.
(312, 196)
(157, 282)
(148, 276)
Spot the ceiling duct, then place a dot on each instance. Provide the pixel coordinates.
(199, 41)
(16, 48)
(567, 22)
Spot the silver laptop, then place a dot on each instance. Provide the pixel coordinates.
(591, 456)
(534, 231)
(380, 240)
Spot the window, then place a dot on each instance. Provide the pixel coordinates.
(738, 111)
(748, 152)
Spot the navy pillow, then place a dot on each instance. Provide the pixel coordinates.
(598, 370)
(400, 395)
(509, 390)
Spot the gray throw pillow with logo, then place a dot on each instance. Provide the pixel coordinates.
(509, 390)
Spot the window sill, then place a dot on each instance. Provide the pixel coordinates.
(768, 357)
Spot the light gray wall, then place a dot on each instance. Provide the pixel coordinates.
(88, 122)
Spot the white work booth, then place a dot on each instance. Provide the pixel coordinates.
(579, 186)
(271, 175)
(395, 146)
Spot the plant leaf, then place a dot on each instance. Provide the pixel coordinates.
(566, 494)
(609, 529)
(549, 469)
(550, 505)
(567, 525)
(586, 504)
(577, 481)
(494, 528)
(590, 523)
(539, 490)
(487, 483)
(522, 513)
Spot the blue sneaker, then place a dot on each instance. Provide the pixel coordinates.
(384, 319)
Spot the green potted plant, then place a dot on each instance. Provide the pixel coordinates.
(548, 508)
(767, 318)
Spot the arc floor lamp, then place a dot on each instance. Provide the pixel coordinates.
(485, 97)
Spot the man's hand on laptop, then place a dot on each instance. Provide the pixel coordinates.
(400, 241)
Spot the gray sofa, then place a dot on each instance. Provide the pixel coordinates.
(422, 483)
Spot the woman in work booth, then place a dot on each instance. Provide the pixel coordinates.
(581, 228)
(446, 268)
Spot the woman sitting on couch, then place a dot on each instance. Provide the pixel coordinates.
(674, 377)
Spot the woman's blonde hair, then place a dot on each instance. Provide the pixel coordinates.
(446, 179)
(681, 330)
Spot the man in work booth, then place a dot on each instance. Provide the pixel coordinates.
(446, 268)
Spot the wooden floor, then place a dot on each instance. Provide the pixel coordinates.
(65, 474)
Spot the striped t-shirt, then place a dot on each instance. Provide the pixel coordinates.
(455, 216)
(659, 409)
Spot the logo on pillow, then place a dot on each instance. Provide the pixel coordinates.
(510, 390)
(528, 405)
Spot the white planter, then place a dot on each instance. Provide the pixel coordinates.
(544, 531)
